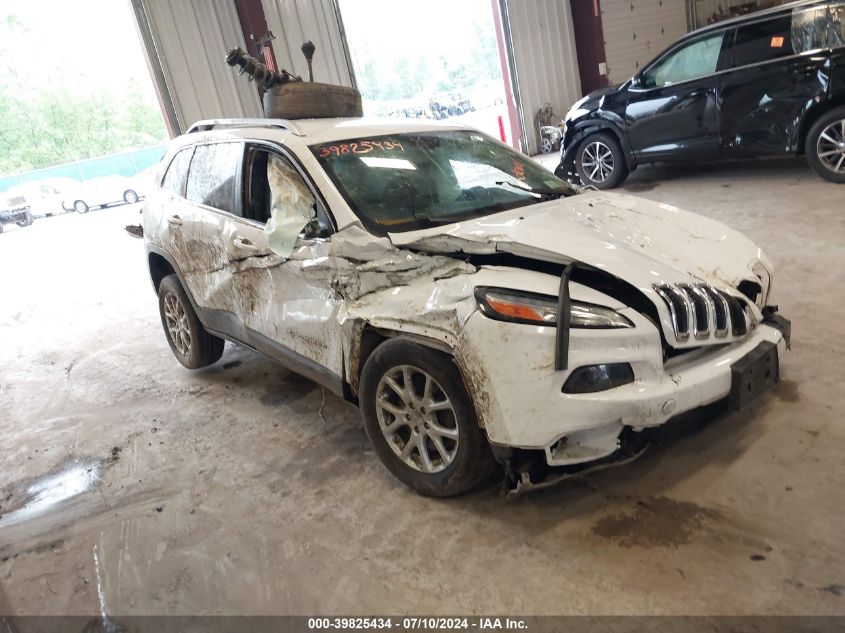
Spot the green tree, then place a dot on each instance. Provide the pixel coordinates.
(48, 125)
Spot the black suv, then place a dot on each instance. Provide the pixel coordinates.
(769, 83)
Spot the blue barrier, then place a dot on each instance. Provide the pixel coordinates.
(123, 164)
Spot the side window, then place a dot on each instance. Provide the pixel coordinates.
(810, 29)
(837, 31)
(273, 182)
(697, 59)
(213, 175)
(174, 179)
(763, 41)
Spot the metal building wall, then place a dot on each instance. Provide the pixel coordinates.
(186, 42)
(635, 31)
(293, 22)
(545, 60)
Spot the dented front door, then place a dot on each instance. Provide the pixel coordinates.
(289, 300)
(284, 299)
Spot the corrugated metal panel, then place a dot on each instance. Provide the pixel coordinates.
(545, 59)
(189, 43)
(637, 30)
(294, 22)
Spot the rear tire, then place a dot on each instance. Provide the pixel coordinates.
(431, 420)
(190, 343)
(27, 219)
(130, 197)
(825, 146)
(600, 162)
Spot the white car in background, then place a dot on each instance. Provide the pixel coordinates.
(46, 197)
(101, 192)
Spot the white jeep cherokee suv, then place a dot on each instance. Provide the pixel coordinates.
(472, 304)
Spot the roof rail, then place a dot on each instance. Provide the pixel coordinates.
(211, 124)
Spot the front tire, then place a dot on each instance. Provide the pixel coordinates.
(130, 197)
(190, 343)
(421, 420)
(600, 162)
(825, 146)
(80, 206)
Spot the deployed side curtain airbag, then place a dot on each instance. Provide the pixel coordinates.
(291, 206)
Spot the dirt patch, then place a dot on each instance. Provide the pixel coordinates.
(656, 522)
(787, 391)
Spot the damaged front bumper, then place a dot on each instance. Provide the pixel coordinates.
(528, 409)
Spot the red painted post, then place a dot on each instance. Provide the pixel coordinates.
(502, 129)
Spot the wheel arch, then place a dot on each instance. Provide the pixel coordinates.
(594, 126)
(370, 338)
(814, 114)
(160, 265)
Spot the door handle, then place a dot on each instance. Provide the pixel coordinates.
(245, 245)
(175, 220)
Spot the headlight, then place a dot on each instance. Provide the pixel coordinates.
(522, 307)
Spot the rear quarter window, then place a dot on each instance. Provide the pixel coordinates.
(174, 179)
(837, 31)
(811, 29)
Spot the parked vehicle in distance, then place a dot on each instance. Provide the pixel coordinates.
(473, 305)
(769, 83)
(14, 208)
(101, 192)
(446, 105)
(45, 197)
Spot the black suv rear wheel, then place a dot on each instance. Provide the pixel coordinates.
(825, 146)
(600, 162)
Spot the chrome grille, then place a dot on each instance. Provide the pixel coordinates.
(701, 312)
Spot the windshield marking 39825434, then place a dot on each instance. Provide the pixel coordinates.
(412, 181)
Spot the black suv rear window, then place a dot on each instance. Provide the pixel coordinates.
(213, 175)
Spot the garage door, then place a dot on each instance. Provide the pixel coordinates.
(637, 30)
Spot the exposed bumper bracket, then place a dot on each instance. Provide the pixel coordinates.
(564, 316)
(780, 323)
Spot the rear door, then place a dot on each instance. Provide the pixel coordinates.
(672, 109)
(199, 222)
(779, 68)
(286, 303)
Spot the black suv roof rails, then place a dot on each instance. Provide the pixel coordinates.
(211, 124)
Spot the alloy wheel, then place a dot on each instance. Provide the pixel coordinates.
(831, 147)
(177, 323)
(417, 419)
(597, 161)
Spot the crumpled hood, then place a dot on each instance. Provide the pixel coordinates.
(640, 241)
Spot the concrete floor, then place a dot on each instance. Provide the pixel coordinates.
(132, 486)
